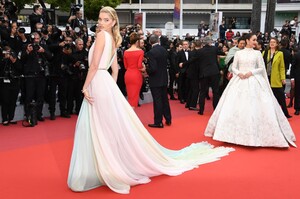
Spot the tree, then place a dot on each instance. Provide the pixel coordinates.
(270, 15)
(255, 16)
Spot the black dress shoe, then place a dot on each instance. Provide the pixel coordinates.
(200, 112)
(156, 125)
(65, 115)
(52, 116)
(193, 109)
(41, 119)
(5, 123)
(173, 98)
(13, 122)
(297, 112)
(168, 123)
(182, 102)
(288, 116)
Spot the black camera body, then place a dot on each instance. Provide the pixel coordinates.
(21, 30)
(74, 8)
(67, 46)
(66, 69)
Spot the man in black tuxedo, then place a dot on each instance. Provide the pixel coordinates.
(183, 56)
(193, 77)
(158, 82)
(209, 74)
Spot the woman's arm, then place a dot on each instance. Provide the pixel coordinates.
(98, 50)
(115, 68)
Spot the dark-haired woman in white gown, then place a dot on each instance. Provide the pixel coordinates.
(248, 113)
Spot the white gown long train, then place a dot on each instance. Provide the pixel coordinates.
(248, 112)
(113, 148)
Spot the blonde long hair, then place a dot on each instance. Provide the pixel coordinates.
(116, 28)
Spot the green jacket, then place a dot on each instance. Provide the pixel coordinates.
(278, 69)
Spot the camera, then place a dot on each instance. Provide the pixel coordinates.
(66, 69)
(44, 66)
(67, 46)
(35, 47)
(81, 66)
(74, 8)
(21, 30)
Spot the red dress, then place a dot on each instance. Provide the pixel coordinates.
(133, 76)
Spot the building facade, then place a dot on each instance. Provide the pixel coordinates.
(159, 12)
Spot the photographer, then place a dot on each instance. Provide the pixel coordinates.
(76, 20)
(4, 28)
(10, 70)
(35, 68)
(10, 9)
(60, 72)
(36, 18)
(17, 38)
(76, 81)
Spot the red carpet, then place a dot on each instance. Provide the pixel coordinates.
(34, 163)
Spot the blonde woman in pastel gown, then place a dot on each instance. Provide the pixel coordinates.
(111, 145)
(248, 112)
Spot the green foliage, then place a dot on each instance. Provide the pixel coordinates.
(21, 3)
(92, 7)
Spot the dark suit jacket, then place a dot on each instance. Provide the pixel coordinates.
(295, 70)
(193, 68)
(157, 67)
(164, 42)
(208, 64)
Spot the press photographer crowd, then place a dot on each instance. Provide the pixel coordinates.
(42, 65)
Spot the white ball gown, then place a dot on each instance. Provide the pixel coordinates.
(113, 148)
(248, 112)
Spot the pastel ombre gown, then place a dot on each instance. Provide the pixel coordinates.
(113, 148)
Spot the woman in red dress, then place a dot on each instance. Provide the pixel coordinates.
(133, 58)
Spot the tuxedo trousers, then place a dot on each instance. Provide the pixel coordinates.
(161, 104)
(205, 83)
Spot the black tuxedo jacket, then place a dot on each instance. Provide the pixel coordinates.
(157, 67)
(182, 59)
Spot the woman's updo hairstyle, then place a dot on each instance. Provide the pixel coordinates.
(134, 37)
(248, 36)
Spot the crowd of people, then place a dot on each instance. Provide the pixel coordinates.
(42, 65)
(50, 65)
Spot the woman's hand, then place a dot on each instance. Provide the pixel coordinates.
(247, 75)
(87, 96)
(241, 75)
(283, 82)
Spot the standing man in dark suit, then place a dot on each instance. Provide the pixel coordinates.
(209, 74)
(163, 40)
(193, 77)
(295, 81)
(183, 56)
(158, 82)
